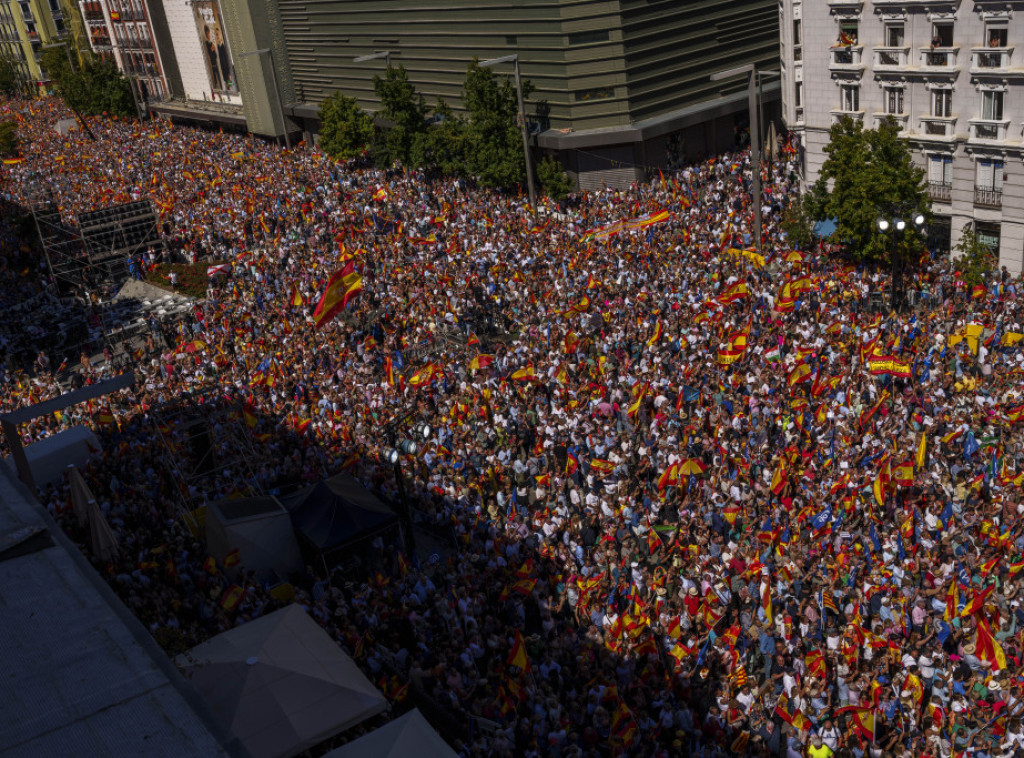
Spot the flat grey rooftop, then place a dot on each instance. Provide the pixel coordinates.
(78, 674)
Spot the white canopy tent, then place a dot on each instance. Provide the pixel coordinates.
(281, 684)
(407, 735)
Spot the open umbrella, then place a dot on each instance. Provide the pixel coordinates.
(794, 257)
(691, 467)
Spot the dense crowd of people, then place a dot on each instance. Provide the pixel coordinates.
(705, 501)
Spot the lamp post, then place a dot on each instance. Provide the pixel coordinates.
(393, 455)
(514, 58)
(755, 147)
(385, 54)
(277, 93)
(893, 227)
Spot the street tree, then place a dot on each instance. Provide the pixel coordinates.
(494, 142)
(345, 129)
(404, 113)
(93, 88)
(552, 177)
(869, 175)
(798, 224)
(10, 82)
(443, 144)
(8, 138)
(975, 260)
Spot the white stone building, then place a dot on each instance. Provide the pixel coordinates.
(951, 73)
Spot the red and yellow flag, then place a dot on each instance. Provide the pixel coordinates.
(341, 288)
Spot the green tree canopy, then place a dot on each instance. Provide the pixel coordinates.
(975, 260)
(552, 177)
(405, 114)
(345, 130)
(8, 138)
(10, 82)
(869, 175)
(94, 88)
(443, 144)
(494, 143)
(797, 223)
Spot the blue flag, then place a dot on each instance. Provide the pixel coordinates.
(823, 519)
(704, 650)
(875, 542)
(947, 514)
(962, 575)
(901, 551)
(971, 445)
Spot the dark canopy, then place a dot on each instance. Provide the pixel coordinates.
(339, 511)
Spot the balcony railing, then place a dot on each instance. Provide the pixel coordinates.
(988, 198)
(987, 59)
(937, 126)
(891, 57)
(940, 191)
(847, 55)
(987, 129)
(935, 57)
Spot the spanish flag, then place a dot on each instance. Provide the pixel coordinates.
(249, 416)
(779, 478)
(232, 559)
(231, 597)
(424, 376)
(903, 474)
(655, 336)
(571, 463)
(341, 288)
(977, 602)
(13, 161)
(518, 656)
(922, 451)
(669, 477)
(801, 372)
(525, 374)
(389, 371)
(481, 361)
(766, 602)
(987, 647)
(297, 299)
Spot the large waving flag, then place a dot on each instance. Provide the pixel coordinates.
(518, 656)
(341, 288)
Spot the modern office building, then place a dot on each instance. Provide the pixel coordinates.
(616, 85)
(26, 26)
(952, 75)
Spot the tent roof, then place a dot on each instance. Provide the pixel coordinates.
(407, 735)
(339, 510)
(281, 684)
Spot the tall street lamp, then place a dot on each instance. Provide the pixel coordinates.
(393, 455)
(755, 147)
(893, 227)
(385, 54)
(277, 93)
(522, 122)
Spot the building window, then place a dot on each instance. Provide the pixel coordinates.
(894, 101)
(848, 33)
(850, 97)
(588, 38)
(796, 32)
(798, 94)
(942, 103)
(988, 234)
(597, 93)
(992, 105)
(996, 34)
(942, 34)
(894, 35)
(940, 170)
(990, 174)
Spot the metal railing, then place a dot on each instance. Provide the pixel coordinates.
(940, 191)
(988, 198)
